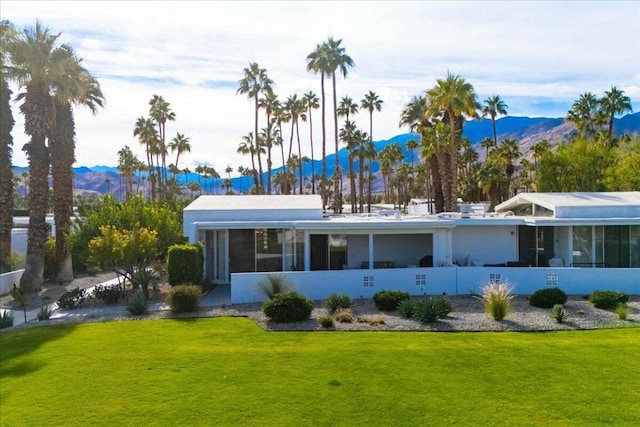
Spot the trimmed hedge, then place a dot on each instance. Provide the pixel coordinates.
(548, 297)
(185, 264)
(289, 307)
(389, 300)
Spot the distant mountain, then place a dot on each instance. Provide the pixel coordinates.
(526, 130)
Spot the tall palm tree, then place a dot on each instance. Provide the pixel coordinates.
(454, 98)
(371, 102)
(246, 147)
(583, 114)
(364, 149)
(312, 102)
(296, 110)
(180, 144)
(254, 83)
(614, 102)
(487, 143)
(508, 152)
(147, 134)
(7, 36)
(127, 164)
(538, 150)
(348, 135)
(160, 112)
(492, 107)
(271, 105)
(38, 64)
(347, 107)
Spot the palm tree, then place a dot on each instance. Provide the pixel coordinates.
(583, 114)
(487, 143)
(7, 36)
(538, 150)
(160, 112)
(296, 110)
(364, 149)
(269, 137)
(246, 147)
(371, 102)
(508, 151)
(148, 136)
(254, 83)
(311, 100)
(348, 135)
(347, 107)
(180, 144)
(271, 106)
(614, 102)
(454, 98)
(492, 107)
(39, 66)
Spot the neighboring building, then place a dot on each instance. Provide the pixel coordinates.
(560, 236)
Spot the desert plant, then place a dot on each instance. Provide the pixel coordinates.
(548, 297)
(44, 313)
(143, 277)
(623, 311)
(184, 298)
(326, 322)
(288, 307)
(497, 299)
(406, 309)
(389, 300)
(344, 315)
(19, 296)
(275, 284)
(6, 319)
(608, 299)
(110, 294)
(138, 304)
(335, 301)
(372, 319)
(430, 309)
(73, 298)
(559, 313)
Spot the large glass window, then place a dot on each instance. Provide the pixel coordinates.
(328, 252)
(242, 251)
(634, 246)
(535, 245)
(294, 250)
(268, 249)
(582, 244)
(616, 246)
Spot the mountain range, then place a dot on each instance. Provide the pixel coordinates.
(526, 130)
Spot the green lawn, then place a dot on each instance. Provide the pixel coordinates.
(228, 371)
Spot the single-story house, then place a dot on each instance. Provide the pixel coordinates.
(577, 241)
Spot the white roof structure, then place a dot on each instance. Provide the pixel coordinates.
(578, 205)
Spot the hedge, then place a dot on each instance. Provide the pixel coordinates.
(185, 264)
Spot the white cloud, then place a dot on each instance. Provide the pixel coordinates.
(539, 56)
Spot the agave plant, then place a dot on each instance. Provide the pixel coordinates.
(275, 284)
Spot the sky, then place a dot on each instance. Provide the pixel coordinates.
(537, 56)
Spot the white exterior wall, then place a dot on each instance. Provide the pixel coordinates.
(8, 279)
(486, 245)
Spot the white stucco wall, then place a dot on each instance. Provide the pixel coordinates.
(486, 245)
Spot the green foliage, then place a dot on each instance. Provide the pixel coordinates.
(288, 307)
(143, 277)
(110, 294)
(623, 311)
(608, 299)
(624, 174)
(497, 300)
(72, 299)
(559, 313)
(275, 284)
(326, 322)
(389, 300)
(19, 296)
(185, 264)
(184, 298)
(44, 313)
(431, 309)
(164, 219)
(138, 304)
(548, 297)
(93, 270)
(49, 258)
(344, 315)
(406, 308)
(17, 261)
(335, 301)
(6, 319)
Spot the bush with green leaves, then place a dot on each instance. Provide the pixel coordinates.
(185, 264)
(608, 300)
(389, 300)
(430, 309)
(184, 298)
(44, 313)
(142, 278)
(335, 301)
(138, 304)
(17, 261)
(559, 313)
(275, 284)
(109, 294)
(6, 319)
(497, 299)
(406, 309)
(623, 311)
(73, 298)
(19, 296)
(548, 297)
(326, 322)
(288, 307)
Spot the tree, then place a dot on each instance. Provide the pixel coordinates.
(347, 107)
(492, 107)
(145, 130)
(508, 152)
(371, 102)
(614, 102)
(487, 143)
(160, 112)
(179, 144)
(246, 147)
(583, 114)
(364, 150)
(538, 150)
(7, 36)
(254, 83)
(349, 136)
(269, 102)
(296, 110)
(311, 100)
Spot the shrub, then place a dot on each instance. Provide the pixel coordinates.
(185, 264)
(559, 313)
(288, 307)
(623, 311)
(49, 258)
(335, 301)
(372, 319)
(16, 261)
(44, 313)
(326, 322)
(406, 309)
(6, 319)
(138, 304)
(93, 270)
(548, 297)
(608, 299)
(431, 309)
(72, 299)
(19, 296)
(108, 294)
(389, 300)
(184, 298)
(143, 277)
(344, 315)
(497, 300)
(275, 284)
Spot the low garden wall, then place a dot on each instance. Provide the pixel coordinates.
(8, 279)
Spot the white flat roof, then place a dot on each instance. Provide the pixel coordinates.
(576, 205)
(256, 202)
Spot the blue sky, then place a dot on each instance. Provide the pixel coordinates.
(538, 56)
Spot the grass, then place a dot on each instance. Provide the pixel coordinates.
(228, 371)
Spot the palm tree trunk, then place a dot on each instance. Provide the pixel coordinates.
(6, 175)
(338, 191)
(323, 185)
(257, 145)
(360, 180)
(313, 165)
(299, 156)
